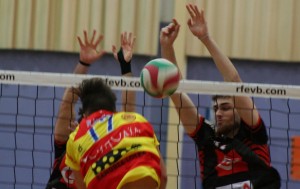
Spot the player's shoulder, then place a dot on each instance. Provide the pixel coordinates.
(73, 133)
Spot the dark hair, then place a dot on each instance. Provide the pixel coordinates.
(95, 95)
(216, 97)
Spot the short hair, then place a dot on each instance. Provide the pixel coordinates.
(216, 97)
(95, 95)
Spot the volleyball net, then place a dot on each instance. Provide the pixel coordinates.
(29, 102)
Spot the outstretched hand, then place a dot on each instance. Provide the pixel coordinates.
(169, 33)
(88, 48)
(196, 22)
(127, 44)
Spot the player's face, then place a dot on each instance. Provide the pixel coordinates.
(226, 115)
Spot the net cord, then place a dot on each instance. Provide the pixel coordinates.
(133, 83)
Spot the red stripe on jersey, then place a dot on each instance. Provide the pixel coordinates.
(67, 175)
(255, 128)
(262, 151)
(201, 159)
(230, 163)
(198, 127)
(105, 145)
(111, 177)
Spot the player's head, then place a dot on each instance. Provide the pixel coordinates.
(96, 95)
(227, 118)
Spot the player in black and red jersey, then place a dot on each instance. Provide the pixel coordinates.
(234, 152)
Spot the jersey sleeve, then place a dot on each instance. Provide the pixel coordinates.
(156, 142)
(59, 149)
(70, 155)
(203, 132)
(258, 133)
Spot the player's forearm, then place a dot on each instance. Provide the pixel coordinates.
(163, 183)
(69, 97)
(66, 115)
(81, 69)
(222, 62)
(68, 102)
(168, 52)
(79, 180)
(66, 112)
(128, 97)
(186, 110)
(164, 176)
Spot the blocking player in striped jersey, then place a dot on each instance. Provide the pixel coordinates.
(234, 153)
(111, 149)
(61, 176)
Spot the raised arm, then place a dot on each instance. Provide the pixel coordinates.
(198, 26)
(124, 56)
(66, 114)
(184, 106)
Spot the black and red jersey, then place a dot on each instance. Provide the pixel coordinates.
(220, 161)
(61, 177)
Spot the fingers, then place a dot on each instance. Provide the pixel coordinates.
(168, 29)
(202, 16)
(190, 23)
(100, 38)
(90, 42)
(115, 53)
(127, 39)
(194, 11)
(165, 31)
(131, 39)
(175, 21)
(190, 10)
(123, 38)
(177, 26)
(133, 42)
(86, 41)
(114, 49)
(80, 41)
(93, 36)
(173, 27)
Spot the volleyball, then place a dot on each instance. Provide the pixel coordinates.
(160, 78)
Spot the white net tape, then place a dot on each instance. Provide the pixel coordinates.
(119, 83)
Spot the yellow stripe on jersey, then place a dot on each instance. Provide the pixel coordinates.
(138, 173)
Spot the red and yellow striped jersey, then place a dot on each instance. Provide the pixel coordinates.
(105, 142)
